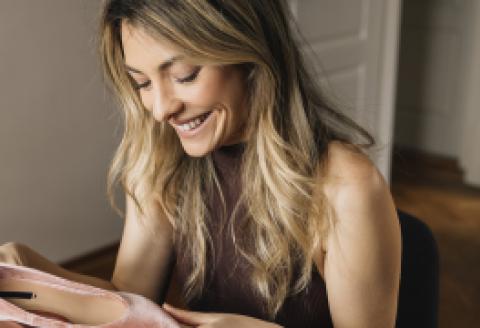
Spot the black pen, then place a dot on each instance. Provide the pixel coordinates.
(20, 295)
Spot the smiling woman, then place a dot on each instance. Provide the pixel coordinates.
(241, 182)
(204, 104)
(258, 190)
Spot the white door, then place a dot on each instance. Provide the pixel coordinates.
(356, 42)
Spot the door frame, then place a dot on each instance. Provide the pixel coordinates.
(388, 74)
(469, 156)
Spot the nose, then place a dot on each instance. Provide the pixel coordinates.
(164, 103)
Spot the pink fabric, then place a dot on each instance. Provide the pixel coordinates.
(139, 312)
(11, 324)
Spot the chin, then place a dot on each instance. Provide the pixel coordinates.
(196, 149)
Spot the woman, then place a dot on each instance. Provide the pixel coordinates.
(239, 178)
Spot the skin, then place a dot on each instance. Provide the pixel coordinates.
(217, 88)
(360, 258)
(164, 91)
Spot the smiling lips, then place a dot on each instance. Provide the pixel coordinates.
(193, 123)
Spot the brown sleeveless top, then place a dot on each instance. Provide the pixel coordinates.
(227, 288)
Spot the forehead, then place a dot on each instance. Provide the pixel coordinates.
(143, 51)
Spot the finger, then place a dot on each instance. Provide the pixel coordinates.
(189, 317)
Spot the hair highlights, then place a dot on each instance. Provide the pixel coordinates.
(290, 127)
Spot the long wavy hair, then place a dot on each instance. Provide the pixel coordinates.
(290, 127)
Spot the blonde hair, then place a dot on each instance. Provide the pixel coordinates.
(290, 127)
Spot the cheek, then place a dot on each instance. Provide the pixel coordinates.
(212, 89)
(205, 96)
(146, 100)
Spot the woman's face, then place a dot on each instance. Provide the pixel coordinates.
(206, 105)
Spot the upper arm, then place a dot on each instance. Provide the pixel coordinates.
(144, 257)
(363, 256)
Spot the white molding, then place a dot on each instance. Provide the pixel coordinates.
(388, 75)
(470, 133)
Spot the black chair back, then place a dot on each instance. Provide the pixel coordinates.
(419, 285)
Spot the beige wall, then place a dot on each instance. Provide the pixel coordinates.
(429, 100)
(57, 129)
(438, 107)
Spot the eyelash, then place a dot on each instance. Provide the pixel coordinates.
(187, 79)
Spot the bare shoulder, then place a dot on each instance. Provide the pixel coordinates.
(347, 164)
(347, 180)
(355, 190)
(361, 260)
(349, 175)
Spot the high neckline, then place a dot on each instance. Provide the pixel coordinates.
(227, 158)
(236, 148)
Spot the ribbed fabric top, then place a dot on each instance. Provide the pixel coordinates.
(227, 287)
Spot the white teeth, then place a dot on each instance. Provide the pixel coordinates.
(191, 125)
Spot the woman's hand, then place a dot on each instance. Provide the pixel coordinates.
(21, 254)
(215, 320)
(13, 253)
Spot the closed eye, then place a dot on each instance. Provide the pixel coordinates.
(189, 78)
(137, 85)
(143, 85)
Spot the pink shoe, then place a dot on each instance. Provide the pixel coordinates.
(61, 303)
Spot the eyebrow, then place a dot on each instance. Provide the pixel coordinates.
(163, 66)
